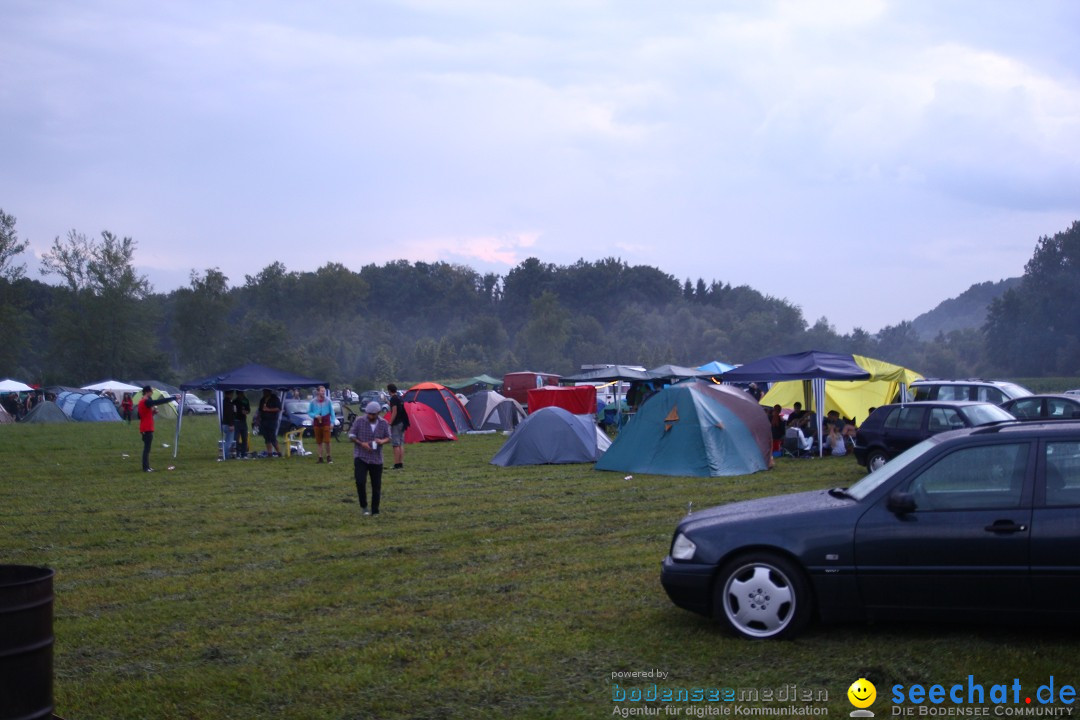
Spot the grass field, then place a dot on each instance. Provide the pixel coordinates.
(255, 589)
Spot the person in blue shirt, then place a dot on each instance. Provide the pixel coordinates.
(321, 411)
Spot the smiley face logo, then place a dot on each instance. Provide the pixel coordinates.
(862, 693)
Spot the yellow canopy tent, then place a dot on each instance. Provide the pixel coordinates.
(851, 398)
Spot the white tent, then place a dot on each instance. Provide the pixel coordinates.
(114, 386)
(9, 385)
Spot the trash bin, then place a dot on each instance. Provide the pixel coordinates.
(26, 642)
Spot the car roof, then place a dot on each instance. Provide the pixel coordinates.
(939, 403)
(1063, 396)
(1044, 427)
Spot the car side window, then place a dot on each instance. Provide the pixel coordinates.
(938, 421)
(1062, 473)
(986, 476)
(910, 417)
(892, 419)
(922, 393)
(1026, 409)
(1060, 408)
(990, 395)
(953, 392)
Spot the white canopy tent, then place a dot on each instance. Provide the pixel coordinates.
(114, 386)
(9, 385)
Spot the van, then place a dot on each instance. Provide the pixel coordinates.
(516, 385)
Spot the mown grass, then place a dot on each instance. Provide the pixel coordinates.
(255, 589)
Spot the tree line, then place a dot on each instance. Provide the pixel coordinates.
(404, 321)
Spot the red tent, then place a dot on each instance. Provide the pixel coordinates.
(443, 402)
(579, 400)
(425, 424)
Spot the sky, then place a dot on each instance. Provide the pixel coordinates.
(862, 159)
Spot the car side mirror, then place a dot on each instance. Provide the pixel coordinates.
(901, 503)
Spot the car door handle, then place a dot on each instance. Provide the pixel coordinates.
(1005, 526)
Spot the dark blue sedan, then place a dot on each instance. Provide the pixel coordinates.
(973, 523)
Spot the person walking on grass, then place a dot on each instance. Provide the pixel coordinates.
(321, 411)
(369, 433)
(146, 421)
(399, 423)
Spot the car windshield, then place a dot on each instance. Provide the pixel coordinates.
(986, 414)
(1013, 390)
(294, 407)
(874, 480)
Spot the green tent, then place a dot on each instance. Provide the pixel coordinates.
(693, 428)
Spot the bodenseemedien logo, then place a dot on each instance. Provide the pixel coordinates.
(862, 694)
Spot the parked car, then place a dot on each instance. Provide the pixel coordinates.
(892, 429)
(194, 405)
(380, 396)
(1044, 407)
(295, 415)
(991, 391)
(976, 524)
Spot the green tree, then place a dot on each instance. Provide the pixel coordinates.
(10, 247)
(541, 343)
(104, 327)
(200, 327)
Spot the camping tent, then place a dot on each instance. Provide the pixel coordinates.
(45, 411)
(246, 377)
(442, 401)
(5, 416)
(579, 400)
(87, 407)
(491, 411)
(114, 386)
(716, 367)
(678, 372)
(851, 398)
(552, 435)
(693, 428)
(425, 425)
(9, 385)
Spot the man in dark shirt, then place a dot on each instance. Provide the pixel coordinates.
(399, 423)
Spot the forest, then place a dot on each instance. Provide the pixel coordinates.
(97, 318)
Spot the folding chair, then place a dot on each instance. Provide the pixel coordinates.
(294, 441)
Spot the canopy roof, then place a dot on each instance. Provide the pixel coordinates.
(251, 377)
(469, 382)
(9, 385)
(679, 372)
(113, 386)
(807, 365)
(615, 372)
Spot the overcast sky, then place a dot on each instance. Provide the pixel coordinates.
(864, 159)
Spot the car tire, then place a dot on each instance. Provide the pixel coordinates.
(875, 459)
(762, 596)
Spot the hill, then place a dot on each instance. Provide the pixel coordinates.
(967, 310)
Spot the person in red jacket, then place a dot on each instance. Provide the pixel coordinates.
(146, 421)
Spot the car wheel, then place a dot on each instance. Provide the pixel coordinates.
(762, 595)
(875, 460)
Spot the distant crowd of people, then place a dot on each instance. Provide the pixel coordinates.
(800, 428)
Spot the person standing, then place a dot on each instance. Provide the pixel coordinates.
(146, 421)
(399, 423)
(241, 410)
(126, 406)
(321, 411)
(369, 433)
(269, 412)
(228, 424)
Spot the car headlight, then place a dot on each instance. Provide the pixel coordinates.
(683, 548)
(307, 423)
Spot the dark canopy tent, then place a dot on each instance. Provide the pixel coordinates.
(813, 367)
(246, 377)
(674, 373)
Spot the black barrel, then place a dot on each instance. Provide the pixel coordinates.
(26, 642)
